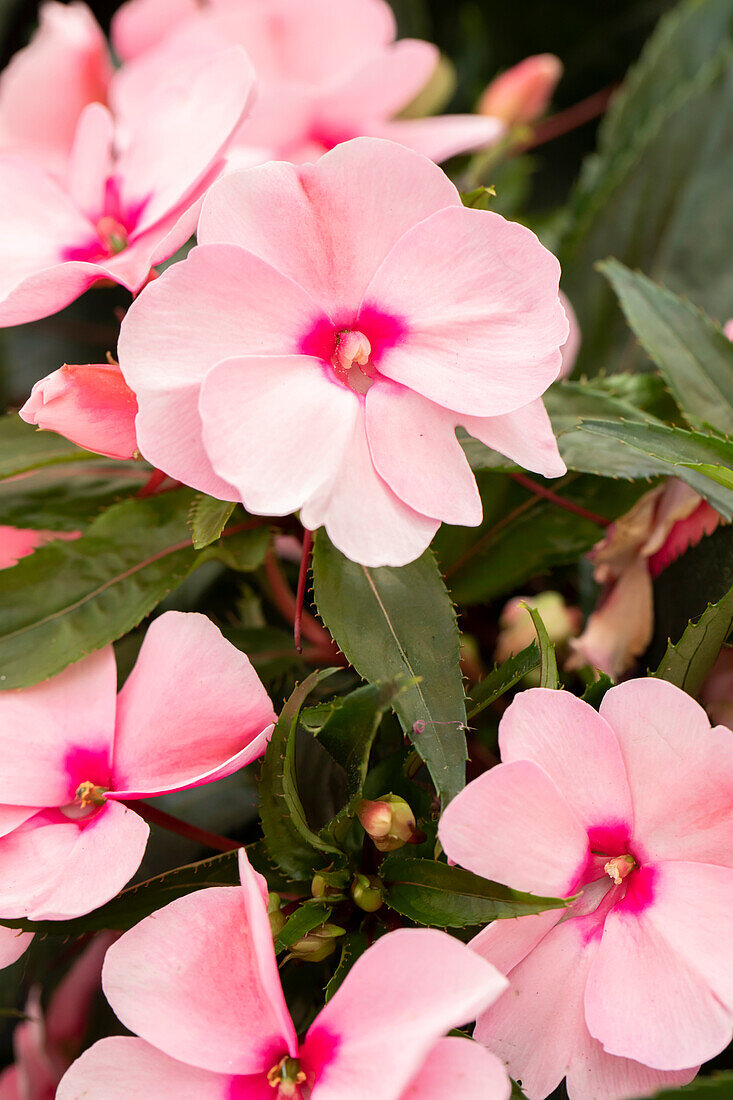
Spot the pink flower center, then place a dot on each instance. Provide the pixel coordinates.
(352, 347)
(112, 234)
(619, 867)
(286, 1077)
(351, 360)
(88, 799)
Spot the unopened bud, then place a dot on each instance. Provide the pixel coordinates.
(329, 885)
(318, 944)
(366, 890)
(278, 920)
(523, 93)
(389, 822)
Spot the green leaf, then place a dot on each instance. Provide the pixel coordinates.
(717, 1087)
(68, 496)
(593, 694)
(208, 519)
(141, 900)
(435, 894)
(503, 677)
(353, 945)
(480, 198)
(548, 661)
(692, 352)
(311, 914)
(688, 661)
(392, 623)
(23, 447)
(703, 461)
(296, 849)
(70, 598)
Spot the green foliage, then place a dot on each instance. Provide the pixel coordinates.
(548, 661)
(396, 623)
(312, 914)
(717, 1087)
(688, 661)
(438, 895)
(502, 678)
(23, 447)
(208, 519)
(67, 496)
(70, 598)
(352, 946)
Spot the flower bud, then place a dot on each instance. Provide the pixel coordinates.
(366, 890)
(389, 822)
(318, 944)
(329, 884)
(523, 93)
(278, 920)
(516, 629)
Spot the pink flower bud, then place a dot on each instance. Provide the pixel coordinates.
(523, 93)
(91, 405)
(389, 822)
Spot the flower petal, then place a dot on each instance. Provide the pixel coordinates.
(664, 734)
(512, 825)
(524, 436)
(385, 82)
(58, 734)
(362, 1055)
(578, 750)
(12, 945)
(193, 709)
(442, 136)
(277, 428)
(459, 1067)
(206, 1004)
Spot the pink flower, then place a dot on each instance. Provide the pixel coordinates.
(728, 329)
(717, 691)
(571, 347)
(198, 981)
(335, 324)
(47, 85)
(45, 1046)
(632, 809)
(192, 710)
(523, 93)
(91, 405)
(636, 548)
(130, 200)
(327, 71)
(18, 542)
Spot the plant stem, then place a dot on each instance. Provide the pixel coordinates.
(561, 502)
(154, 816)
(285, 601)
(300, 593)
(564, 121)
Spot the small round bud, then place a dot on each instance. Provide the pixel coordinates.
(278, 920)
(366, 890)
(318, 944)
(389, 822)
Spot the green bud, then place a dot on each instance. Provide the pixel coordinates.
(367, 892)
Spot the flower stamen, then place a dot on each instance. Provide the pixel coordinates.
(286, 1076)
(619, 867)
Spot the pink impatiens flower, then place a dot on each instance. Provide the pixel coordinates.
(91, 405)
(130, 198)
(631, 809)
(334, 326)
(327, 71)
(198, 981)
(192, 710)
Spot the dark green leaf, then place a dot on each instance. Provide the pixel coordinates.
(296, 849)
(311, 914)
(70, 598)
(23, 447)
(693, 354)
(548, 661)
(687, 662)
(352, 946)
(503, 677)
(593, 694)
(68, 496)
(392, 623)
(435, 894)
(717, 1087)
(208, 519)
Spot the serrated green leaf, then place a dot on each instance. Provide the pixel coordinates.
(438, 895)
(717, 1087)
(593, 694)
(548, 661)
(296, 849)
(392, 623)
(353, 945)
(502, 678)
(688, 661)
(311, 914)
(208, 519)
(70, 598)
(693, 353)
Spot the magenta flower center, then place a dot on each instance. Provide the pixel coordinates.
(112, 234)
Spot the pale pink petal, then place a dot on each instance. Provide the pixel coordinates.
(70, 1007)
(414, 447)
(459, 1067)
(192, 709)
(483, 323)
(91, 160)
(139, 25)
(571, 347)
(219, 303)
(120, 1068)
(91, 405)
(40, 293)
(54, 868)
(605, 1077)
(363, 517)
(187, 979)
(12, 945)
(362, 1055)
(442, 136)
(277, 428)
(58, 734)
(10, 1084)
(11, 817)
(188, 123)
(643, 1001)
(513, 825)
(46, 86)
(381, 85)
(524, 436)
(506, 942)
(578, 750)
(680, 771)
(328, 225)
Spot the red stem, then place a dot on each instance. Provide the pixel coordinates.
(173, 824)
(284, 599)
(577, 115)
(541, 491)
(153, 483)
(300, 593)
